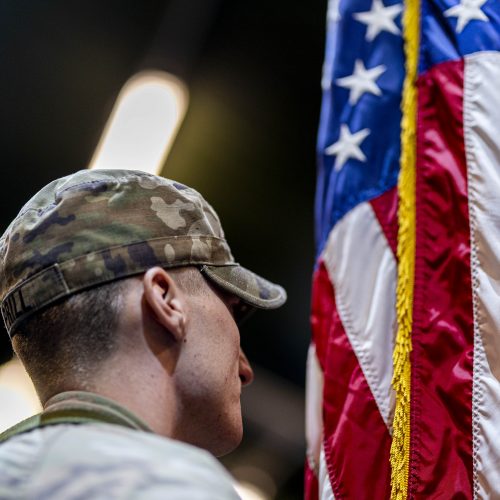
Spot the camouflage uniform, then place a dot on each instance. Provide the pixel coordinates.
(103, 461)
(79, 232)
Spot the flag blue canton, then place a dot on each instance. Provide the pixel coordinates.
(359, 134)
(454, 29)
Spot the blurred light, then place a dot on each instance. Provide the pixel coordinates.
(253, 483)
(143, 124)
(248, 491)
(18, 399)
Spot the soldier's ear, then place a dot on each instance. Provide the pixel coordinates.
(165, 300)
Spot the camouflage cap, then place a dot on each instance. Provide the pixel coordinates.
(97, 226)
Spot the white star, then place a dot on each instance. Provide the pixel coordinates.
(361, 81)
(465, 11)
(379, 18)
(347, 146)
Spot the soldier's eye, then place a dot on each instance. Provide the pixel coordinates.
(241, 311)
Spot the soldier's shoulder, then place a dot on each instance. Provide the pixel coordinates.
(96, 458)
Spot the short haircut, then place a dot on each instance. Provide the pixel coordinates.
(70, 338)
(64, 345)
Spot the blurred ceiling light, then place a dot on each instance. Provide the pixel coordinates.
(18, 399)
(143, 123)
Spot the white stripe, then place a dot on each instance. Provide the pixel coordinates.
(362, 267)
(324, 486)
(482, 141)
(314, 408)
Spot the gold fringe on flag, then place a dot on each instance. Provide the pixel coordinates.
(400, 447)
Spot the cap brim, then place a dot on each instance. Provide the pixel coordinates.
(248, 286)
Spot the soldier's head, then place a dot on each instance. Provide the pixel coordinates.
(118, 281)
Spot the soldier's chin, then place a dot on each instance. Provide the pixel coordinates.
(229, 441)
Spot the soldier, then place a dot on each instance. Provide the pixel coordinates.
(121, 297)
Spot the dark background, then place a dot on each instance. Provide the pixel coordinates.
(253, 70)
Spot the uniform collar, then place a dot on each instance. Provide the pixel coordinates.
(94, 405)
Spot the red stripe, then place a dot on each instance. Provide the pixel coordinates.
(310, 484)
(385, 207)
(441, 444)
(356, 440)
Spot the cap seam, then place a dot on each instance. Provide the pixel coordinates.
(125, 245)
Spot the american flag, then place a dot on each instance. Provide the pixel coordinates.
(403, 383)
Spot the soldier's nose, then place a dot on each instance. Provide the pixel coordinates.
(246, 372)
